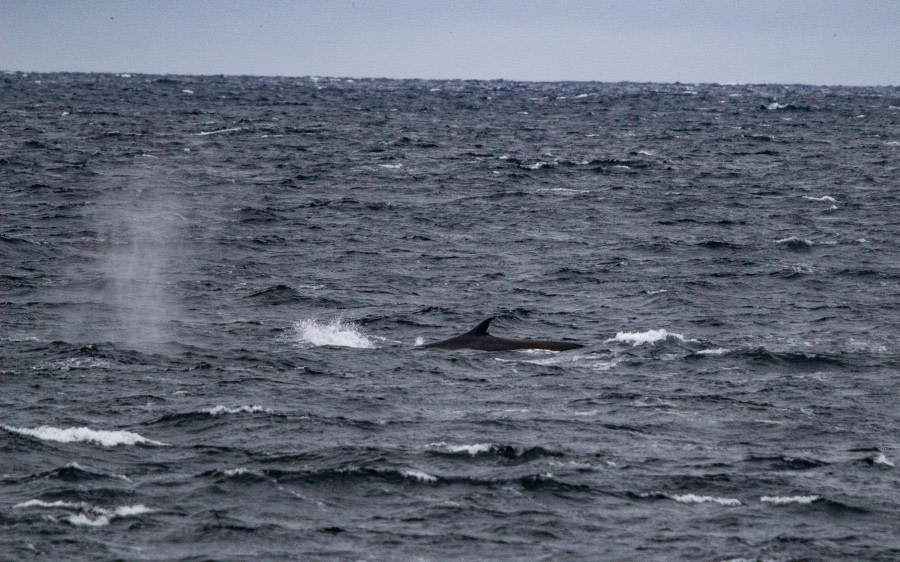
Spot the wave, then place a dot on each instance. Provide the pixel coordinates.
(788, 463)
(880, 458)
(785, 500)
(179, 418)
(471, 450)
(650, 336)
(218, 131)
(351, 473)
(511, 454)
(333, 333)
(83, 434)
(240, 475)
(355, 475)
(87, 515)
(716, 351)
(419, 476)
(804, 360)
(277, 294)
(796, 244)
(220, 410)
(74, 472)
(692, 498)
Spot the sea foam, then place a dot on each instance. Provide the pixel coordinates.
(879, 458)
(219, 410)
(336, 332)
(472, 450)
(640, 338)
(83, 434)
(784, 500)
(88, 515)
(419, 475)
(692, 498)
(716, 351)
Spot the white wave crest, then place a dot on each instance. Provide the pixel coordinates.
(219, 410)
(83, 434)
(419, 475)
(879, 458)
(336, 332)
(218, 131)
(692, 498)
(717, 351)
(240, 471)
(650, 336)
(472, 450)
(795, 241)
(50, 505)
(89, 515)
(822, 198)
(783, 500)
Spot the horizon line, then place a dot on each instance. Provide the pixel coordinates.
(128, 74)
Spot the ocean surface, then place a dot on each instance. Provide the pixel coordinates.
(213, 291)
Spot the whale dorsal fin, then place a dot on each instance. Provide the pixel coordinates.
(481, 329)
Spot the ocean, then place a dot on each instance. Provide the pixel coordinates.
(215, 290)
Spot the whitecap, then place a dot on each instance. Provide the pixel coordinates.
(335, 332)
(784, 500)
(391, 166)
(419, 475)
(240, 471)
(50, 505)
(219, 410)
(84, 363)
(822, 198)
(794, 241)
(106, 515)
(83, 434)
(650, 336)
(217, 131)
(716, 351)
(472, 450)
(879, 458)
(693, 498)
(89, 515)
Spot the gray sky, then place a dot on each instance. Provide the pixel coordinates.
(788, 41)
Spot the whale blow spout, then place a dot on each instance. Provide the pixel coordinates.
(479, 338)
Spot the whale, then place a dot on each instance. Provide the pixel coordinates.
(478, 338)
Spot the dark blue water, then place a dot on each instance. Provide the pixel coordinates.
(212, 291)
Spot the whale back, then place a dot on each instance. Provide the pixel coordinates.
(478, 338)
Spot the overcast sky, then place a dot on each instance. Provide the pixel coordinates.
(747, 41)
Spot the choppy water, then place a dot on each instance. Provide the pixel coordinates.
(212, 290)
